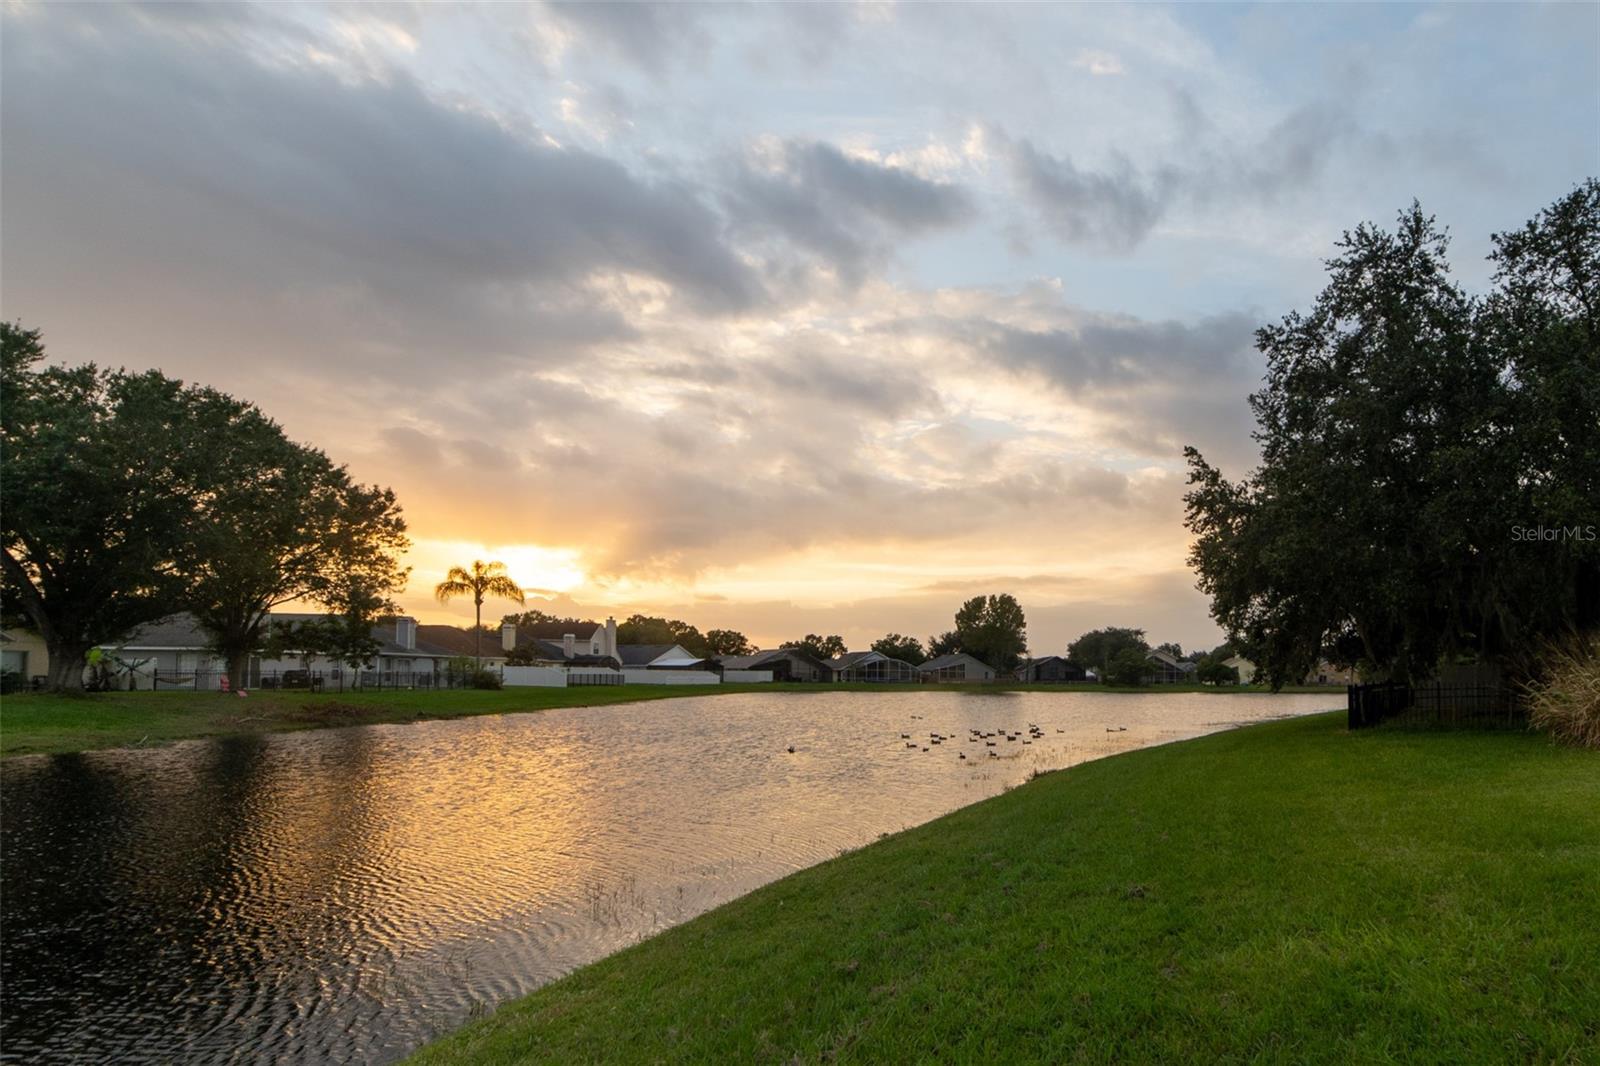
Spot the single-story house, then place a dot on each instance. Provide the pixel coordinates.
(175, 652)
(23, 653)
(659, 657)
(870, 666)
(1168, 669)
(956, 667)
(1246, 668)
(1325, 673)
(1050, 669)
(786, 664)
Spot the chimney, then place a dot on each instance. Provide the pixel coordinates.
(569, 645)
(508, 637)
(611, 638)
(406, 632)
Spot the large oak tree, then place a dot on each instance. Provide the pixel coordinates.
(94, 496)
(1408, 433)
(128, 496)
(279, 522)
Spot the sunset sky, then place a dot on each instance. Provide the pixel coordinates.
(787, 319)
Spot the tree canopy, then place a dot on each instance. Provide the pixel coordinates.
(128, 496)
(906, 649)
(1413, 439)
(89, 504)
(277, 521)
(1214, 671)
(993, 629)
(728, 642)
(824, 648)
(1127, 666)
(1096, 649)
(480, 581)
(645, 629)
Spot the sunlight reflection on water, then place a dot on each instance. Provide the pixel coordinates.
(347, 894)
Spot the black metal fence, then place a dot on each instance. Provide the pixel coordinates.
(1436, 704)
(597, 677)
(307, 680)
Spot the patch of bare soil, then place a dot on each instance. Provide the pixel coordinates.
(332, 712)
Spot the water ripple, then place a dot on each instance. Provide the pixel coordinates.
(344, 895)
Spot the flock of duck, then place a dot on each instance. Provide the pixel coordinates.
(991, 738)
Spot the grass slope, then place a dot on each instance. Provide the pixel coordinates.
(1283, 893)
(30, 723)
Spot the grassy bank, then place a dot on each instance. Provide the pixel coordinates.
(31, 724)
(44, 723)
(1288, 892)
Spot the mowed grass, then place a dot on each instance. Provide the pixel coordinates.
(35, 723)
(45, 723)
(1287, 892)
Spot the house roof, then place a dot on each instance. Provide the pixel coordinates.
(742, 662)
(458, 641)
(850, 658)
(774, 655)
(953, 659)
(645, 654)
(424, 648)
(682, 662)
(182, 631)
(174, 631)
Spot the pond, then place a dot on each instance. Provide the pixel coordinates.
(348, 894)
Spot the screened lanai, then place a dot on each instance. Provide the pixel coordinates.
(871, 666)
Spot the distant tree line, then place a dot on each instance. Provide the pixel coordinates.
(1429, 486)
(992, 629)
(1121, 656)
(128, 496)
(644, 629)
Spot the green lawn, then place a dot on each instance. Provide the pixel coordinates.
(1287, 892)
(41, 723)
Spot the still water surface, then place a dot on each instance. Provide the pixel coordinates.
(344, 895)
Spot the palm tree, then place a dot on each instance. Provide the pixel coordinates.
(484, 579)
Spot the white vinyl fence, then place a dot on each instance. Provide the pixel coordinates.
(670, 677)
(534, 676)
(556, 677)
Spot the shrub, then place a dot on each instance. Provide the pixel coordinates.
(1127, 667)
(1564, 700)
(1216, 672)
(485, 679)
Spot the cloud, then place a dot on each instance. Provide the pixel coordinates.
(1098, 63)
(724, 305)
(365, 200)
(1116, 208)
(847, 210)
(651, 36)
